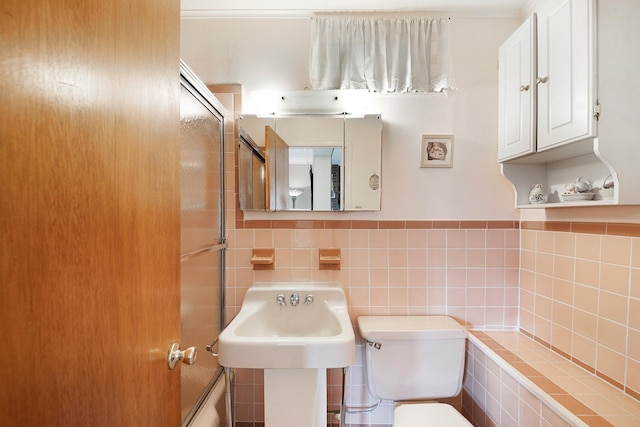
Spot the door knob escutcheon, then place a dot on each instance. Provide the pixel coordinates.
(176, 355)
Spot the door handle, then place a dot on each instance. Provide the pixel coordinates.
(542, 80)
(187, 356)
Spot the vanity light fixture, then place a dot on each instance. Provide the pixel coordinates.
(310, 101)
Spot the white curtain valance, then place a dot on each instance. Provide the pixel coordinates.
(381, 54)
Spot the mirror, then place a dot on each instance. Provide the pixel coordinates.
(313, 162)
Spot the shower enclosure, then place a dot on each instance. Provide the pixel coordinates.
(203, 240)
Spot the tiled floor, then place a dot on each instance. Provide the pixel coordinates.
(592, 399)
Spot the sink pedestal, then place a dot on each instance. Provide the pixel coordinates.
(294, 331)
(295, 397)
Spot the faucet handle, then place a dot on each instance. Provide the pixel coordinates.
(295, 299)
(308, 299)
(280, 299)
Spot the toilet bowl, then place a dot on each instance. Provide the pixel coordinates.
(428, 415)
(410, 358)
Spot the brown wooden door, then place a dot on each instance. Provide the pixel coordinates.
(89, 212)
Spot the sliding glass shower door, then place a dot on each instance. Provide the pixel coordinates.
(203, 240)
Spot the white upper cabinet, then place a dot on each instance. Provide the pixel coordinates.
(565, 78)
(517, 92)
(567, 110)
(546, 74)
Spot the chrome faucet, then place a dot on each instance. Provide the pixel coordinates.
(308, 299)
(281, 300)
(295, 299)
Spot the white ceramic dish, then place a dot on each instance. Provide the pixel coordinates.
(572, 197)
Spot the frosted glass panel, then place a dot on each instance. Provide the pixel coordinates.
(200, 174)
(200, 313)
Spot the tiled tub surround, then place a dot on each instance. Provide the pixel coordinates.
(468, 270)
(580, 295)
(512, 380)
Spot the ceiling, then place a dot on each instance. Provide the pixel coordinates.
(307, 7)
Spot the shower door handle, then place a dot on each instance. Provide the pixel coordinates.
(187, 356)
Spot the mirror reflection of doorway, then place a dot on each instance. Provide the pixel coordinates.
(314, 178)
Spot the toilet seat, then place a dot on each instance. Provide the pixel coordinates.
(427, 415)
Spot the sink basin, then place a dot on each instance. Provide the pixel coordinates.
(314, 333)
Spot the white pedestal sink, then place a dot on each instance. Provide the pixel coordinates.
(295, 331)
(295, 397)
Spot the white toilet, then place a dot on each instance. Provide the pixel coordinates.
(413, 358)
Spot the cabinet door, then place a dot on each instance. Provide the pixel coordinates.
(517, 92)
(566, 58)
(363, 163)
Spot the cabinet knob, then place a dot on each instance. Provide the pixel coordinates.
(524, 88)
(542, 79)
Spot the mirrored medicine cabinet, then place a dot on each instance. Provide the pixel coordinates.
(324, 162)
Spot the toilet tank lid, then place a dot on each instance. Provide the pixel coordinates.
(409, 327)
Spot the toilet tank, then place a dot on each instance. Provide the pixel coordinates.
(413, 357)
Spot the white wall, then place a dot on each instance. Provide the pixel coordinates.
(273, 54)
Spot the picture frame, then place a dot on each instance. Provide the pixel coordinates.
(436, 151)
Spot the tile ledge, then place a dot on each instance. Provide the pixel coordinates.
(623, 406)
(567, 415)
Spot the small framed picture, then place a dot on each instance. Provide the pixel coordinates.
(436, 151)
